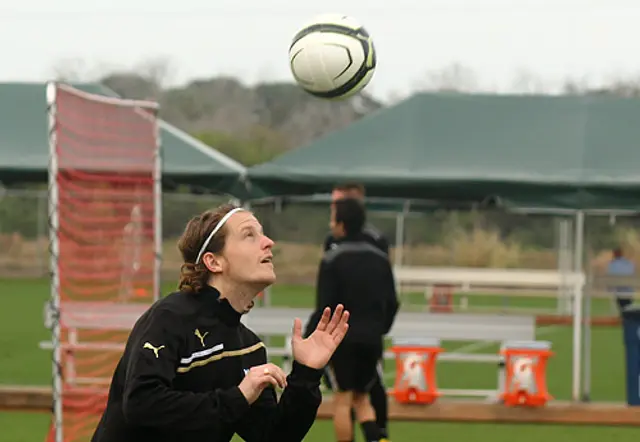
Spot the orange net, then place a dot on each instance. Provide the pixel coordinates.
(104, 231)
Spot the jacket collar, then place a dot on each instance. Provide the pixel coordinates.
(210, 298)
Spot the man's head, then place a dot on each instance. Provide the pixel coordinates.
(618, 253)
(237, 256)
(348, 190)
(347, 217)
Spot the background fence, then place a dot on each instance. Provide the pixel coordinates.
(439, 238)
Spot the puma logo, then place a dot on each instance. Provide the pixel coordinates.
(200, 336)
(152, 348)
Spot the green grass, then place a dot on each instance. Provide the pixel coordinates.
(21, 362)
(29, 427)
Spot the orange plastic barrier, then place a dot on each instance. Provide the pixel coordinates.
(525, 380)
(416, 371)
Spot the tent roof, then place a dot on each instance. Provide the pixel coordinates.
(527, 151)
(24, 144)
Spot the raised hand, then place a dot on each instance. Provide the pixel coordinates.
(317, 349)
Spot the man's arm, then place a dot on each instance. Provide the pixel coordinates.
(326, 286)
(149, 399)
(326, 293)
(383, 244)
(290, 419)
(391, 300)
(315, 316)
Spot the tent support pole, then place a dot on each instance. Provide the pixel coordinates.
(577, 307)
(399, 252)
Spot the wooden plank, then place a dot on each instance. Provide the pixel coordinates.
(18, 398)
(38, 399)
(596, 321)
(479, 411)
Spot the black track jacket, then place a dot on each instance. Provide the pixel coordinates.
(357, 274)
(177, 380)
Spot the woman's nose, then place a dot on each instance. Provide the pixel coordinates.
(267, 242)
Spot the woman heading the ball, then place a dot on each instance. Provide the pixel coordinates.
(192, 371)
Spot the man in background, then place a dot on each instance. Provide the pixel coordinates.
(621, 266)
(356, 191)
(358, 275)
(378, 392)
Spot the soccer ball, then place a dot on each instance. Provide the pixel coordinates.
(332, 57)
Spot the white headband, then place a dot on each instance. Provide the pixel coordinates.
(215, 230)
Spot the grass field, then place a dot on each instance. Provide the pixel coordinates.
(21, 362)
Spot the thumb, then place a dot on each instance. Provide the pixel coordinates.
(297, 329)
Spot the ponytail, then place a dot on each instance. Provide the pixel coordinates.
(193, 277)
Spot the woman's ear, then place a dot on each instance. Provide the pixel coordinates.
(212, 262)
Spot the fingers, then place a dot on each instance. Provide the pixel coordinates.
(278, 374)
(337, 326)
(269, 374)
(344, 321)
(324, 320)
(266, 379)
(335, 319)
(342, 328)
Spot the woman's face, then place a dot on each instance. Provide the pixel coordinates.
(247, 256)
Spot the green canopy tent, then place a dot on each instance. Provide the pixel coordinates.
(561, 154)
(24, 151)
(522, 151)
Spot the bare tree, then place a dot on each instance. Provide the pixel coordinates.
(72, 70)
(159, 70)
(265, 74)
(453, 78)
(628, 86)
(146, 80)
(575, 86)
(527, 82)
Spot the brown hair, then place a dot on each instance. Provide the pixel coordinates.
(350, 187)
(193, 277)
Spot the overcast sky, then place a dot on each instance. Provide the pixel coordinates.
(593, 39)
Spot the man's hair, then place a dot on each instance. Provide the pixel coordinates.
(350, 187)
(193, 277)
(350, 212)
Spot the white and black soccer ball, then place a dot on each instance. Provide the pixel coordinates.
(332, 57)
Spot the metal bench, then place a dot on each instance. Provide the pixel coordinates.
(272, 321)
